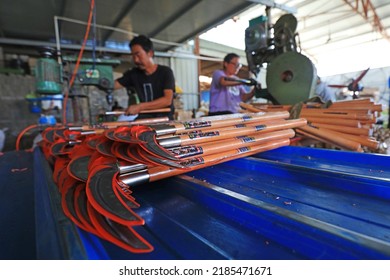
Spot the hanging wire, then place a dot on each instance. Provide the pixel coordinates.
(74, 74)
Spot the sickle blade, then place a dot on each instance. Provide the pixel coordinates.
(122, 236)
(78, 168)
(101, 195)
(150, 145)
(80, 205)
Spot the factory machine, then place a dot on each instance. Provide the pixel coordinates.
(291, 76)
(54, 75)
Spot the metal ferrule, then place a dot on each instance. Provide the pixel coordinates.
(163, 129)
(135, 178)
(74, 142)
(130, 168)
(75, 128)
(88, 132)
(170, 142)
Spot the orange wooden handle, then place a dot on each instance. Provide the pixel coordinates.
(332, 137)
(224, 134)
(344, 122)
(344, 129)
(147, 111)
(161, 172)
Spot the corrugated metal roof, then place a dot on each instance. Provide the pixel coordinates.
(174, 21)
(324, 26)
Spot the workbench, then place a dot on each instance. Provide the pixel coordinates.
(289, 203)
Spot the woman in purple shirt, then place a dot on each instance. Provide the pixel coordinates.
(226, 95)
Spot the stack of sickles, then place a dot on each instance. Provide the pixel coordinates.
(95, 167)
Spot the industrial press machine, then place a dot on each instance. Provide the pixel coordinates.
(54, 75)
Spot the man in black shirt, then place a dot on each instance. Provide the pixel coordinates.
(153, 83)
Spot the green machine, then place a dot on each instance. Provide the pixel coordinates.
(48, 73)
(53, 74)
(291, 76)
(97, 72)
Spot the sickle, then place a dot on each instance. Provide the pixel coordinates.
(59, 165)
(80, 205)
(131, 134)
(164, 162)
(161, 172)
(78, 165)
(48, 134)
(125, 134)
(78, 168)
(102, 197)
(62, 147)
(59, 133)
(119, 150)
(122, 236)
(104, 147)
(92, 141)
(124, 190)
(67, 202)
(123, 196)
(109, 133)
(150, 145)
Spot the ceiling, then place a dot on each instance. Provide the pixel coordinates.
(168, 22)
(343, 36)
(323, 25)
(328, 25)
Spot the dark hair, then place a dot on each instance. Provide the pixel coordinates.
(229, 57)
(143, 41)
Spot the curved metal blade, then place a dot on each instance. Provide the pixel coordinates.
(101, 195)
(122, 236)
(150, 145)
(78, 168)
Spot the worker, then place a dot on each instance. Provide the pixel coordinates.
(154, 84)
(225, 94)
(323, 91)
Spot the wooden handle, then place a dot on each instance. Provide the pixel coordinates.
(161, 172)
(221, 122)
(224, 134)
(332, 137)
(350, 123)
(162, 110)
(344, 129)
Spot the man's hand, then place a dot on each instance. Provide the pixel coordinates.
(133, 109)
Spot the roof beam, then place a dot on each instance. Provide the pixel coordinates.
(234, 11)
(366, 9)
(174, 17)
(272, 4)
(119, 18)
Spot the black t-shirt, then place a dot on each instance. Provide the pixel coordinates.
(150, 87)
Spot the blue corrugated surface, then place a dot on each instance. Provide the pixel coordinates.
(289, 203)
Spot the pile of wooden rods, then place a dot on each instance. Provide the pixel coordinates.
(347, 125)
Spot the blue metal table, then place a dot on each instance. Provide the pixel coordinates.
(289, 203)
